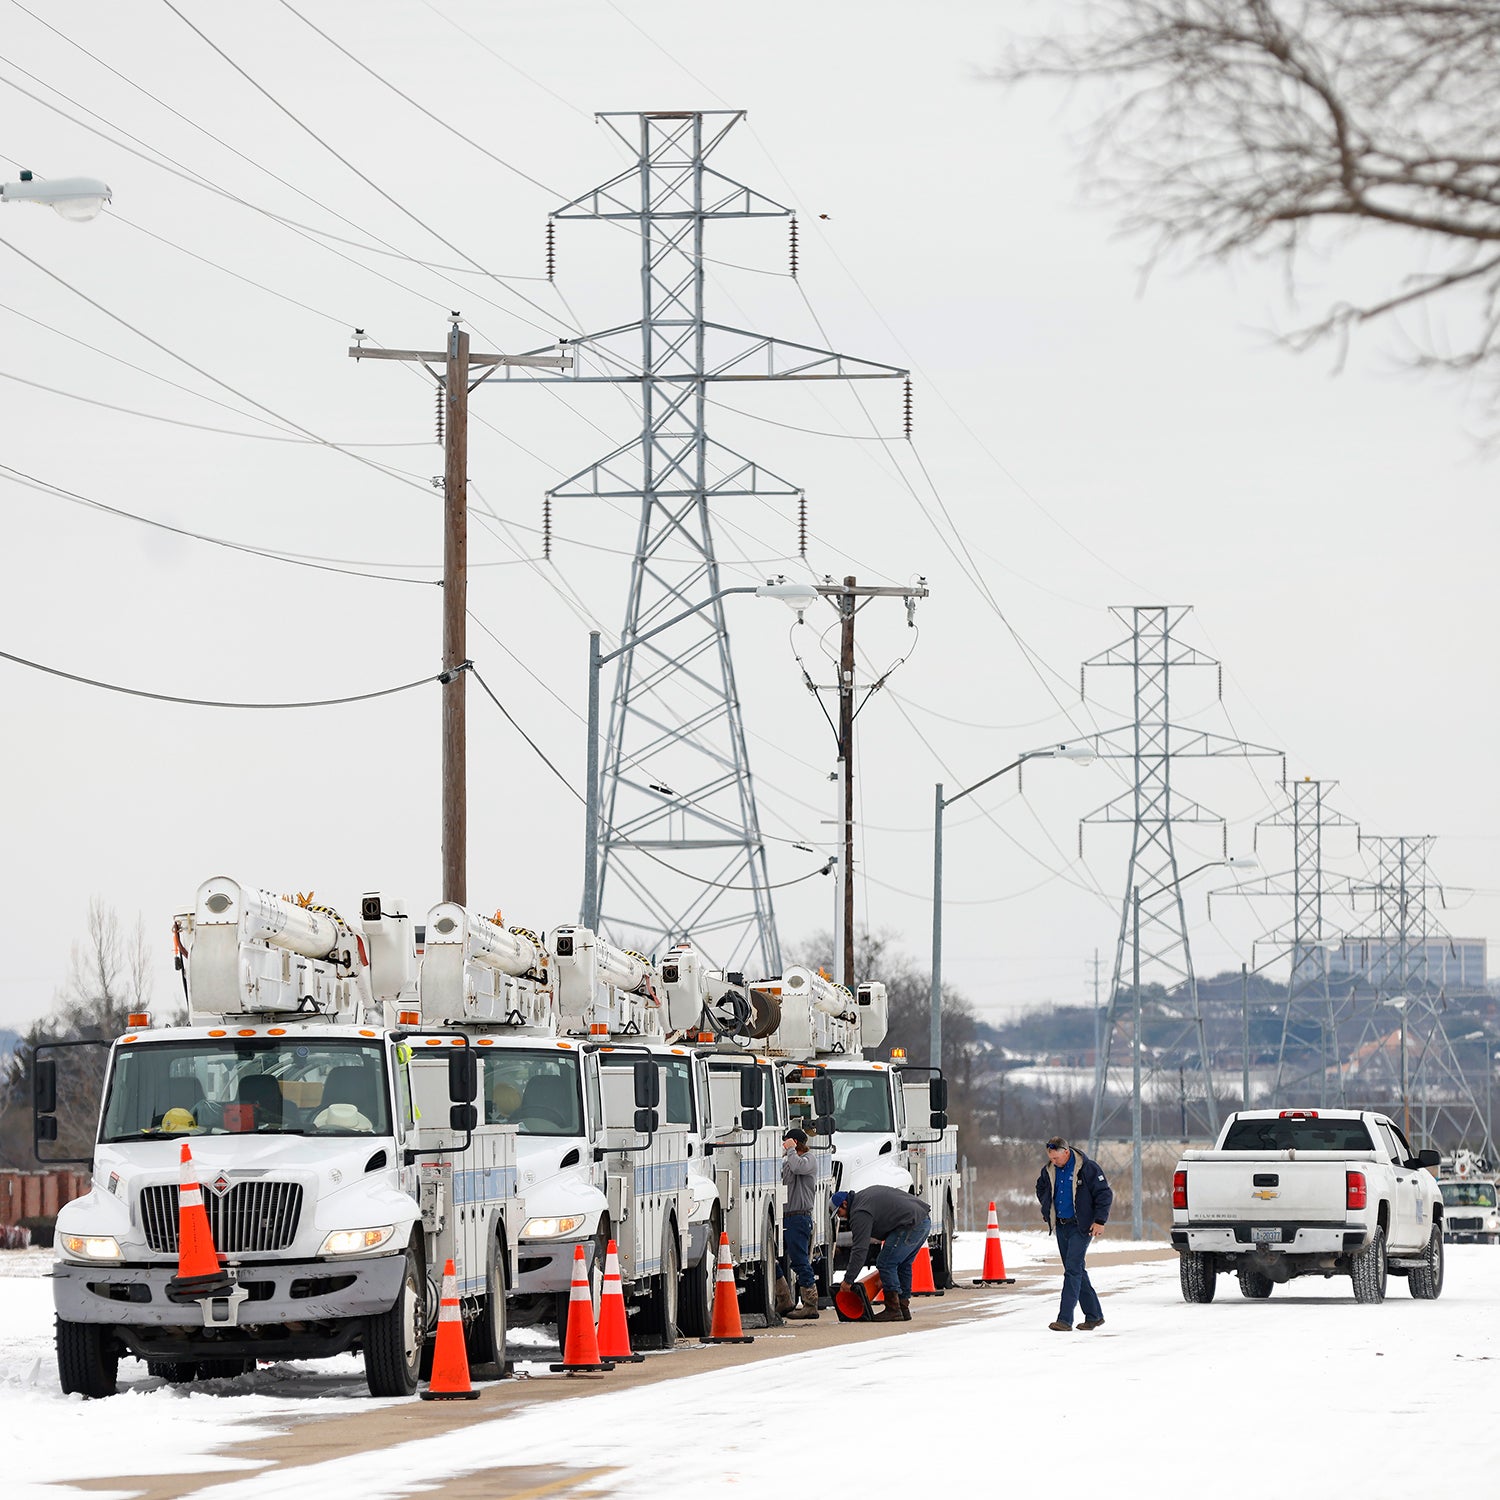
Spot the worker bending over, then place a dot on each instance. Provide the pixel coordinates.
(902, 1221)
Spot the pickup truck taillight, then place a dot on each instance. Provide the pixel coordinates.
(1356, 1190)
(1179, 1189)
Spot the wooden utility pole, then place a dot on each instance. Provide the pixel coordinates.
(455, 385)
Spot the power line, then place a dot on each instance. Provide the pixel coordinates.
(115, 687)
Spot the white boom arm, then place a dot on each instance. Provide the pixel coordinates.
(476, 971)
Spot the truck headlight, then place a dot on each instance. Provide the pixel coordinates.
(549, 1229)
(91, 1246)
(356, 1241)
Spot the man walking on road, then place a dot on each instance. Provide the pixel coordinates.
(1075, 1196)
(799, 1176)
(903, 1222)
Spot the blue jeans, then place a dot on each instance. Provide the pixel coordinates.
(796, 1241)
(1077, 1289)
(895, 1258)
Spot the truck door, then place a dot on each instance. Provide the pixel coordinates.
(1412, 1231)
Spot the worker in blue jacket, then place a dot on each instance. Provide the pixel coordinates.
(1075, 1196)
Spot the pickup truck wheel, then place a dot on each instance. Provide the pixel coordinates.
(1254, 1284)
(1368, 1271)
(224, 1369)
(88, 1359)
(1426, 1282)
(695, 1296)
(1198, 1277)
(394, 1339)
(173, 1371)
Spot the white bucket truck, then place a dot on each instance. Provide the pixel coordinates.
(564, 1033)
(297, 1103)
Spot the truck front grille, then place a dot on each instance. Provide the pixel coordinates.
(1465, 1224)
(252, 1217)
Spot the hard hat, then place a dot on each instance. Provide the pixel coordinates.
(178, 1119)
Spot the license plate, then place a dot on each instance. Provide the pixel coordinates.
(1266, 1236)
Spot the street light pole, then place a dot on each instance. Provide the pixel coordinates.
(1245, 1036)
(1137, 1226)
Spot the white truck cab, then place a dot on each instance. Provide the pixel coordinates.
(299, 1107)
(1471, 1200)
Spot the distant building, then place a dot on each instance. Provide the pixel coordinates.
(1452, 964)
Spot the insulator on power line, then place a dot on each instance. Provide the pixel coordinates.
(793, 248)
(547, 526)
(802, 525)
(441, 403)
(906, 407)
(551, 249)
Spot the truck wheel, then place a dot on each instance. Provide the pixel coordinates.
(1426, 1282)
(1198, 1277)
(485, 1335)
(658, 1320)
(224, 1369)
(942, 1258)
(695, 1294)
(765, 1276)
(1254, 1284)
(1368, 1270)
(394, 1339)
(174, 1371)
(88, 1359)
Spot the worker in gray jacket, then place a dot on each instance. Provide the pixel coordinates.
(799, 1177)
(902, 1221)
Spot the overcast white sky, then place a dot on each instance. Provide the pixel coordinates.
(1094, 444)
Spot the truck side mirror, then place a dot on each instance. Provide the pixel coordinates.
(646, 1121)
(938, 1120)
(1429, 1159)
(822, 1125)
(45, 1129)
(752, 1090)
(937, 1096)
(751, 1119)
(463, 1117)
(822, 1092)
(44, 1090)
(463, 1077)
(647, 1089)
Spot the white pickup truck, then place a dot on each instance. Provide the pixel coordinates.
(1308, 1192)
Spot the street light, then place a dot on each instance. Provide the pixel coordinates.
(796, 596)
(1400, 1002)
(78, 199)
(1245, 863)
(1082, 755)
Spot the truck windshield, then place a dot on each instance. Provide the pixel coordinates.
(1322, 1134)
(537, 1092)
(676, 1084)
(247, 1085)
(1468, 1194)
(862, 1101)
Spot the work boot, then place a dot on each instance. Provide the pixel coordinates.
(890, 1313)
(807, 1306)
(1090, 1324)
(906, 1309)
(1061, 1327)
(782, 1297)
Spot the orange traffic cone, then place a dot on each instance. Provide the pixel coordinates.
(857, 1303)
(922, 1284)
(726, 1324)
(614, 1331)
(199, 1272)
(450, 1360)
(993, 1273)
(581, 1349)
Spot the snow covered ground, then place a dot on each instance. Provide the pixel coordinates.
(1305, 1393)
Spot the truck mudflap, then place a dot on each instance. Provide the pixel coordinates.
(275, 1293)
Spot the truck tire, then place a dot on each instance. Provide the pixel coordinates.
(224, 1369)
(942, 1256)
(485, 1335)
(1368, 1270)
(1254, 1284)
(394, 1339)
(1426, 1282)
(173, 1371)
(657, 1319)
(88, 1359)
(1196, 1272)
(765, 1276)
(695, 1294)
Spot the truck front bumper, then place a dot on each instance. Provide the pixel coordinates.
(1296, 1239)
(281, 1292)
(546, 1266)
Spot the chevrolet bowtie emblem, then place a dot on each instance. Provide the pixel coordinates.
(1265, 1194)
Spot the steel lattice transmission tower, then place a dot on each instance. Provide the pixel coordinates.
(680, 845)
(1304, 940)
(1408, 1056)
(1154, 655)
